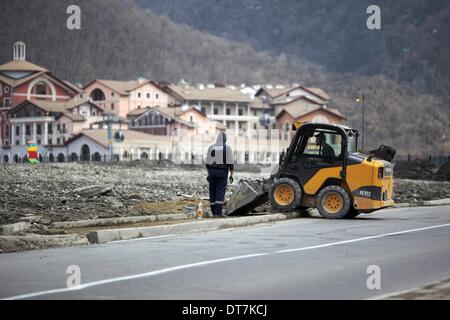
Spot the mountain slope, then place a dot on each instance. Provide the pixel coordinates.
(119, 40)
(412, 45)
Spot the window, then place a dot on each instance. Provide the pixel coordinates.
(148, 95)
(93, 113)
(50, 129)
(17, 142)
(7, 102)
(58, 127)
(41, 88)
(6, 131)
(203, 109)
(139, 94)
(228, 111)
(64, 128)
(58, 140)
(157, 96)
(112, 106)
(39, 129)
(112, 94)
(216, 110)
(322, 145)
(17, 130)
(191, 119)
(28, 130)
(38, 141)
(241, 112)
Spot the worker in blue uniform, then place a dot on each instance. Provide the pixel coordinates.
(219, 163)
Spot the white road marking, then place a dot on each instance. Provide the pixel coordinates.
(136, 276)
(363, 239)
(209, 262)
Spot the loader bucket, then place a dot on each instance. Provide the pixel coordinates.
(247, 196)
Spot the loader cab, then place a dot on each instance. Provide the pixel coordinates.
(315, 147)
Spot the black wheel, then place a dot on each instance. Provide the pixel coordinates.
(333, 202)
(285, 195)
(352, 213)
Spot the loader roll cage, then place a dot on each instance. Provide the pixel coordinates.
(348, 143)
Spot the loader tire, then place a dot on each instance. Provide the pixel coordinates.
(285, 195)
(333, 202)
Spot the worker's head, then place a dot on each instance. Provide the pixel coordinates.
(320, 138)
(221, 138)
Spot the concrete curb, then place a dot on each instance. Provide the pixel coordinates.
(104, 236)
(36, 241)
(430, 203)
(117, 221)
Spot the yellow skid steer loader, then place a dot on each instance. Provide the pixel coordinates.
(322, 169)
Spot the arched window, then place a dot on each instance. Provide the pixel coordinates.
(40, 88)
(85, 153)
(61, 157)
(96, 157)
(144, 155)
(73, 157)
(98, 95)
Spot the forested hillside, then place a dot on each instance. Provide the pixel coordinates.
(411, 46)
(119, 40)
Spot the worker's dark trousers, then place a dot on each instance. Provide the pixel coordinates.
(217, 179)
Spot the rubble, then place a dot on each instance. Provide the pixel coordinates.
(92, 191)
(44, 193)
(79, 191)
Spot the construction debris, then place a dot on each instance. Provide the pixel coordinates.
(44, 193)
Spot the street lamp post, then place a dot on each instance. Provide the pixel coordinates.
(358, 100)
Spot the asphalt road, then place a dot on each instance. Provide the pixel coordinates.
(306, 258)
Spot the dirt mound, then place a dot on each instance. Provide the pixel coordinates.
(444, 171)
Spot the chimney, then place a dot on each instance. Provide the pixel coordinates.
(19, 51)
